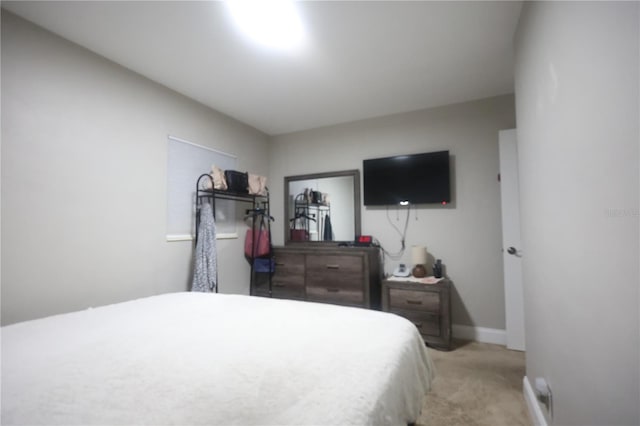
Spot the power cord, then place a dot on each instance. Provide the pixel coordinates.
(403, 234)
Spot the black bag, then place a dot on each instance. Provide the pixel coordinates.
(237, 181)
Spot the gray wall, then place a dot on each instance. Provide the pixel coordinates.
(84, 178)
(577, 113)
(466, 235)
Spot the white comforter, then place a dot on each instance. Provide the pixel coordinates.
(188, 358)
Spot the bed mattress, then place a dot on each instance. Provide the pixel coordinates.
(195, 358)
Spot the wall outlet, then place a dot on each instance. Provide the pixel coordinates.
(543, 393)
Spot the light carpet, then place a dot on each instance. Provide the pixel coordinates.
(477, 384)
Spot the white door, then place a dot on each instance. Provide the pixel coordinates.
(512, 253)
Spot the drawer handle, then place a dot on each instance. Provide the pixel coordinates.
(333, 266)
(333, 290)
(418, 324)
(279, 285)
(414, 302)
(279, 263)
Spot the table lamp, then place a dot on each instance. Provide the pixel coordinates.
(419, 259)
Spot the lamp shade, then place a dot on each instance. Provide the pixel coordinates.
(419, 255)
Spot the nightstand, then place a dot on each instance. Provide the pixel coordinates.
(428, 306)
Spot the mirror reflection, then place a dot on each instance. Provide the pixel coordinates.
(323, 207)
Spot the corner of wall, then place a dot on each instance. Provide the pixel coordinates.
(479, 334)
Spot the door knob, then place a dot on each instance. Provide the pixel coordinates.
(512, 250)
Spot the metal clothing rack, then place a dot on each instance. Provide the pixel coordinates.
(307, 212)
(259, 203)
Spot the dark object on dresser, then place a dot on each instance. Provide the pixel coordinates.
(343, 276)
(428, 306)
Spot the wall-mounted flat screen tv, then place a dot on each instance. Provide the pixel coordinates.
(413, 179)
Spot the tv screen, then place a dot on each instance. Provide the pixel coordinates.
(416, 179)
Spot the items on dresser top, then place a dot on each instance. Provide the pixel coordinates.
(342, 276)
(428, 306)
(424, 280)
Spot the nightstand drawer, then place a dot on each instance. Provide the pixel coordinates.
(425, 305)
(400, 298)
(427, 324)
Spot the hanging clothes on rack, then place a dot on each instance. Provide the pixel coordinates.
(328, 230)
(299, 226)
(205, 274)
(257, 242)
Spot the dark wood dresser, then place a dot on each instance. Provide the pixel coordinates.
(347, 276)
(428, 306)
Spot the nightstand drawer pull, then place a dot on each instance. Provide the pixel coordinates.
(333, 290)
(414, 302)
(333, 266)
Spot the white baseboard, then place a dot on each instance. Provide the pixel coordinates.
(479, 334)
(535, 411)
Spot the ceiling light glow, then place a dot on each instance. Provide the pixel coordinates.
(272, 23)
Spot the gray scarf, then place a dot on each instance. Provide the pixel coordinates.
(206, 262)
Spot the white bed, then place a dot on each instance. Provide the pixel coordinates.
(194, 358)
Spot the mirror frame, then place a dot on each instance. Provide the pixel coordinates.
(356, 204)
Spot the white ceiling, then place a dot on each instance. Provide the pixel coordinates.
(363, 59)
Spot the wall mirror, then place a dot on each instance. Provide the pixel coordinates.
(322, 208)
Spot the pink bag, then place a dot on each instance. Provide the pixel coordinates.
(298, 231)
(299, 235)
(256, 242)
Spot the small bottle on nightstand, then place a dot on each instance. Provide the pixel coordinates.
(437, 269)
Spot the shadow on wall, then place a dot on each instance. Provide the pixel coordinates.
(459, 313)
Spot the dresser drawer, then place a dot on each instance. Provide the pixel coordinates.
(342, 276)
(275, 294)
(338, 294)
(335, 272)
(288, 280)
(287, 287)
(290, 265)
(400, 298)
